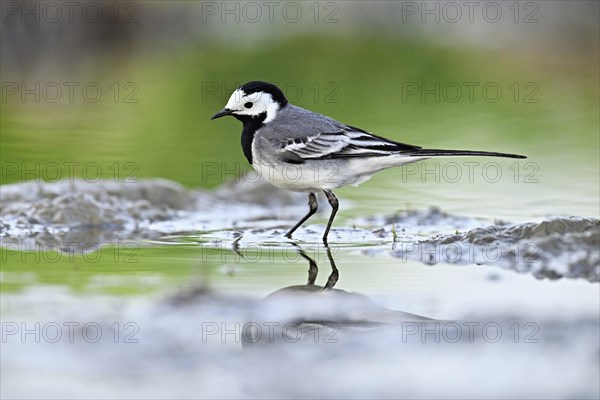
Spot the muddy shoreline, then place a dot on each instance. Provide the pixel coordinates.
(73, 214)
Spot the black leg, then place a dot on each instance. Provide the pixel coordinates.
(333, 278)
(313, 204)
(333, 201)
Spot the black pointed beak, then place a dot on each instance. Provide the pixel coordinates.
(222, 113)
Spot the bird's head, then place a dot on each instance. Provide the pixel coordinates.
(254, 100)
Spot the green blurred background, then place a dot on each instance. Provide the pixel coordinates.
(165, 67)
(146, 76)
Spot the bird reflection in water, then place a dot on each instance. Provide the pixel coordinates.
(313, 269)
(312, 313)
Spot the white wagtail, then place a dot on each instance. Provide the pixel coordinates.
(303, 151)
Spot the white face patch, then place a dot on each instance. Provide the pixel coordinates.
(259, 102)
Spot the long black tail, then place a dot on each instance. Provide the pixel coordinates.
(442, 153)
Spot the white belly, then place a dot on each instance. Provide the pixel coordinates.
(316, 175)
(306, 177)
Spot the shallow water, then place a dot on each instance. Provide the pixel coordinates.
(463, 278)
(180, 282)
(191, 293)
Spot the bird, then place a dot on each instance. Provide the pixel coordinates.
(304, 151)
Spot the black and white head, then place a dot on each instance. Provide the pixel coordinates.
(255, 100)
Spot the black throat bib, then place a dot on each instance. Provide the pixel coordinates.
(251, 125)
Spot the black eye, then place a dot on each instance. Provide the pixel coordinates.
(248, 104)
